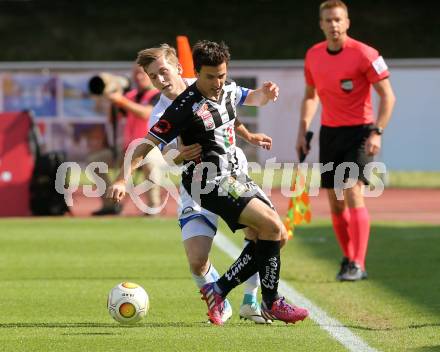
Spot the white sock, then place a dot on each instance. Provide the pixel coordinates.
(251, 285)
(210, 276)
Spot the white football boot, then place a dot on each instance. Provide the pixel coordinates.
(252, 312)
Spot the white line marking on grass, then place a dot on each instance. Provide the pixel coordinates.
(336, 329)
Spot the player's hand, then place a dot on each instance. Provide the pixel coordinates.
(373, 144)
(190, 152)
(284, 237)
(261, 140)
(116, 191)
(301, 146)
(271, 90)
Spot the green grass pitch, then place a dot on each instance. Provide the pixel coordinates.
(55, 275)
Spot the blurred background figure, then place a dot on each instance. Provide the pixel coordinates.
(136, 106)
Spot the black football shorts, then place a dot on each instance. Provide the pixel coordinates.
(343, 145)
(229, 197)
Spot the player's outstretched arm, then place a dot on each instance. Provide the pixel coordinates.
(258, 139)
(118, 189)
(261, 96)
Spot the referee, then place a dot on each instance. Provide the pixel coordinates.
(339, 72)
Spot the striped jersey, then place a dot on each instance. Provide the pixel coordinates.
(197, 119)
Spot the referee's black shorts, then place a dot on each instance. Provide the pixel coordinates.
(344, 144)
(229, 197)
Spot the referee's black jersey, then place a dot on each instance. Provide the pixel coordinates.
(210, 123)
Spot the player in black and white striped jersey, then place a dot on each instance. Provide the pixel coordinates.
(198, 225)
(211, 125)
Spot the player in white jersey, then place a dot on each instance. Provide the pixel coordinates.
(198, 225)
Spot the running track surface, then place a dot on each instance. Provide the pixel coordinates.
(419, 205)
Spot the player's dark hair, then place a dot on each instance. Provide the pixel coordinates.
(207, 53)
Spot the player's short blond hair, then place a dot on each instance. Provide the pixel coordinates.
(331, 4)
(147, 56)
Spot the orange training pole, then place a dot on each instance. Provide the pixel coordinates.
(184, 54)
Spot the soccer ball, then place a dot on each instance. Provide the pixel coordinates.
(128, 303)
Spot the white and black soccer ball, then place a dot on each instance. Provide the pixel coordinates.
(128, 303)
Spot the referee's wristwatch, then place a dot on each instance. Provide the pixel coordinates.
(378, 130)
